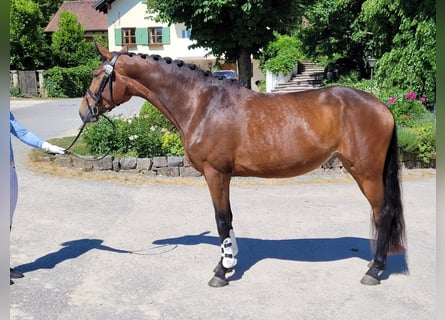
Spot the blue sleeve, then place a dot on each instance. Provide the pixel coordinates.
(23, 134)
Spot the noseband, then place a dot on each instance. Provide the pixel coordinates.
(108, 78)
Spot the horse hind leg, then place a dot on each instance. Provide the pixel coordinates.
(383, 194)
(381, 223)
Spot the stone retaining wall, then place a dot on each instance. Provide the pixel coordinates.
(162, 166)
(157, 166)
(165, 166)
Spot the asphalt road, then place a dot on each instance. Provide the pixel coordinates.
(98, 250)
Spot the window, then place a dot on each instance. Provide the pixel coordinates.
(132, 37)
(186, 34)
(129, 37)
(155, 36)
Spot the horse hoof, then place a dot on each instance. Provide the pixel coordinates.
(369, 281)
(216, 282)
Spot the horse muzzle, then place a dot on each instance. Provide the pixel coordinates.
(88, 113)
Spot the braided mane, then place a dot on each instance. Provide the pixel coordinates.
(179, 64)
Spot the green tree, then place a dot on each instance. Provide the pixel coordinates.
(48, 8)
(234, 29)
(330, 34)
(406, 47)
(401, 34)
(69, 47)
(28, 47)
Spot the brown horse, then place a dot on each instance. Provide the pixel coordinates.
(228, 130)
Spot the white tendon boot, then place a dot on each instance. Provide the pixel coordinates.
(229, 249)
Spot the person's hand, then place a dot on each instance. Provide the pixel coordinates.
(51, 148)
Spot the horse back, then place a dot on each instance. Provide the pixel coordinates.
(281, 135)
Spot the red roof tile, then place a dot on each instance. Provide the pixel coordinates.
(91, 19)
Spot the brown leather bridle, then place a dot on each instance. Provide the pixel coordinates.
(108, 78)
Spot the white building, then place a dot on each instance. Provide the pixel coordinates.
(129, 25)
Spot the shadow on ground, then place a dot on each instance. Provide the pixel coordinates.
(252, 251)
(70, 250)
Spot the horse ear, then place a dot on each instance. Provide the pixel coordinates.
(104, 52)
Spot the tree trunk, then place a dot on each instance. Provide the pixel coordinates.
(245, 67)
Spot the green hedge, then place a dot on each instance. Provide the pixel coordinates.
(416, 127)
(69, 82)
(145, 136)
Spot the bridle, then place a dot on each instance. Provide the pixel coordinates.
(94, 109)
(108, 78)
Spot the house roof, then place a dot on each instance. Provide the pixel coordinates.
(102, 5)
(87, 15)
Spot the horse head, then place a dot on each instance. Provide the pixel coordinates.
(107, 89)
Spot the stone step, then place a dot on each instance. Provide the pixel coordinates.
(297, 80)
(296, 85)
(295, 89)
(307, 79)
(303, 67)
(309, 76)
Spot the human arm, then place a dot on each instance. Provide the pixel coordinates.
(30, 138)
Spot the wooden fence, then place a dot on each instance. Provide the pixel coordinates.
(30, 83)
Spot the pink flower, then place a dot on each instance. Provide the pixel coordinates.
(392, 100)
(422, 99)
(411, 95)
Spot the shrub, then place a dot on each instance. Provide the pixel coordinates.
(148, 135)
(407, 109)
(152, 114)
(416, 126)
(69, 82)
(172, 144)
(351, 79)
(408, 140)
(15, 91)
(100, 137)
(419, 141)
(281, 55)
(426, 133)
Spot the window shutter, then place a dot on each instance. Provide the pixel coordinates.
(118, 36)
(166, 35)
(141, 36)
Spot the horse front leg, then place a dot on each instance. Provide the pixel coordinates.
(219, 186)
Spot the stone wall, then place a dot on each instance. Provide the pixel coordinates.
(171, 166)
(162, 166)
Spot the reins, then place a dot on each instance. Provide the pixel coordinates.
(77, 137)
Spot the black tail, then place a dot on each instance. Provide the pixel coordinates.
(392, 197)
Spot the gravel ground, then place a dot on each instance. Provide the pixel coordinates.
(106, 249)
